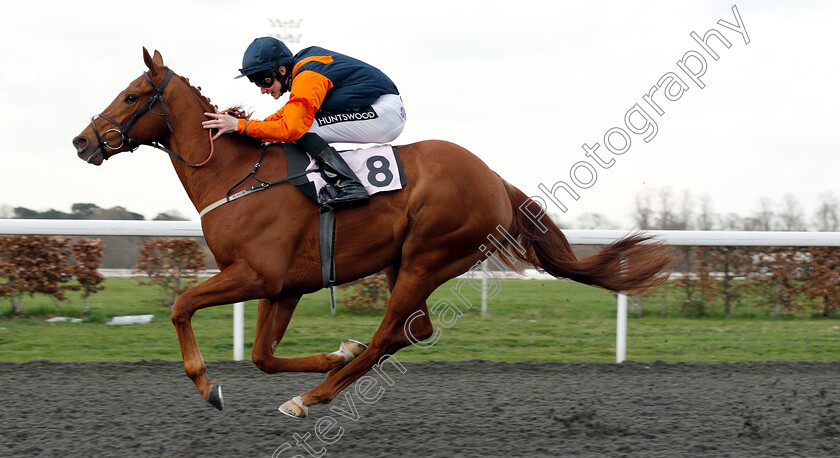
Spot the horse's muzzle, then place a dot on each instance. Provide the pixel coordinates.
(88, 152)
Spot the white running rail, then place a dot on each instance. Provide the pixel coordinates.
(575, 237)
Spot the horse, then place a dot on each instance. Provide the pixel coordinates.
(266, 245)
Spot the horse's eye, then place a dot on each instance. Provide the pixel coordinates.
(131, 98)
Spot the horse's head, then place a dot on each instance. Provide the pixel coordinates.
(136, 117)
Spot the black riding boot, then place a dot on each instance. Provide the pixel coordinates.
(343, 187)
(347, 185)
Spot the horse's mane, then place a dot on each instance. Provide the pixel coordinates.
(197, 92)
(237, 111)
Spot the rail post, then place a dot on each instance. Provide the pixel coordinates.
(484, 276)
(238, 330)
(621, 329)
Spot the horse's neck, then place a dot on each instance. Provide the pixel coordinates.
(208, 183)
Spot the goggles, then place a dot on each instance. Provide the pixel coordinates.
(263, 80)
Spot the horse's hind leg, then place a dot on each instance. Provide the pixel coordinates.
(272, 320)
(350, 348)
(408, 296)
(391, 275)
(236, 283)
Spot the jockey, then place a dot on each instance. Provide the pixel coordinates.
(332, 98)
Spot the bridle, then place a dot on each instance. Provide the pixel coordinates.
(122, 129)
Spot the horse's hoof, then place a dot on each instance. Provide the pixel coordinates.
(215, 398)
(349, 349)
(294, 408)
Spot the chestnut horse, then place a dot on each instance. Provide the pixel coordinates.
(266, 244)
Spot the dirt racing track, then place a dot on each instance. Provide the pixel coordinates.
(473, 408)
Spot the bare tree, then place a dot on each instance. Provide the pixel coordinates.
(706, 219)
(686, 215)
(764, 219)
(827, 216)
(595, 221)
(643, 216)
(791, 217)
(666, 217)
(733, 222)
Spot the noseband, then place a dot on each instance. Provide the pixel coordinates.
(123, 129)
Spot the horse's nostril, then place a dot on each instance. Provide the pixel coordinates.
(80, 143)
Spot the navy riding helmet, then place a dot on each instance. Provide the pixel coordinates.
(266, 53)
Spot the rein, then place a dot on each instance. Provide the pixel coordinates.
(133, 143)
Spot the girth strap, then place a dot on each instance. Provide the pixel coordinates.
(255, 188)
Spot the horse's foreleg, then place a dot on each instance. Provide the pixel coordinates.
(234, 284)
(408, 296)
(272, 321)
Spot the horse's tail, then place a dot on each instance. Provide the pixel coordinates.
(632, 264)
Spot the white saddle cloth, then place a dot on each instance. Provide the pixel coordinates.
(377, 167)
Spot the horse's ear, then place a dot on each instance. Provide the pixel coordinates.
(158, 58)
(149, 61)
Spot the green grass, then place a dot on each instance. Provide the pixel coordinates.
(527, 320)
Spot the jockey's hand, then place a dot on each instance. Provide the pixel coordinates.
(224, 122)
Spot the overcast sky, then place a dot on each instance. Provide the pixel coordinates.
(524, 85)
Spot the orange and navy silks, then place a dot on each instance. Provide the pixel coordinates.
(322, 80)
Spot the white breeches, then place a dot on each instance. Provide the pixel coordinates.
(382, 122)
